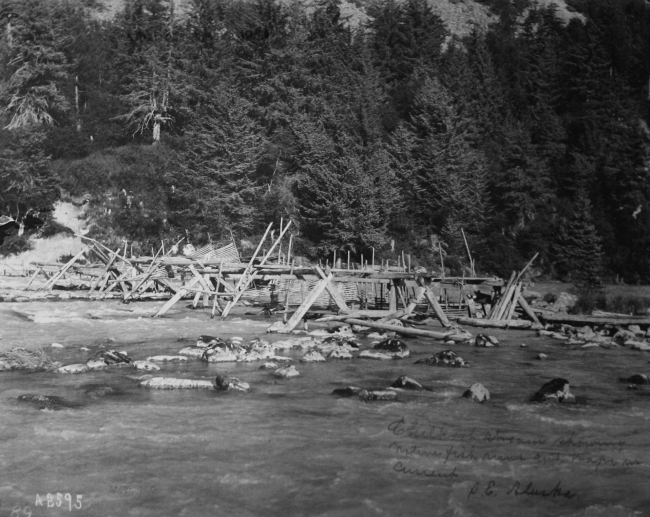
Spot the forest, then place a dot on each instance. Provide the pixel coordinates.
(391, 134)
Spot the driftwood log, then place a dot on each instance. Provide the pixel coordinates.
(500, 324)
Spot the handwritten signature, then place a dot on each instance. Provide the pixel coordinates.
(519, 489)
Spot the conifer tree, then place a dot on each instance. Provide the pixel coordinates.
(578, 251)
(31, 89)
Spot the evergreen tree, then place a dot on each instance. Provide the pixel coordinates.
(36, 65)
(578, 250)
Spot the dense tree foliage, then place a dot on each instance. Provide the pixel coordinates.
(211, 119)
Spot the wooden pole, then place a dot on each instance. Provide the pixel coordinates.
(289, 252)
(527, 310)
(280, 247)
(469, 255)
(530, 262)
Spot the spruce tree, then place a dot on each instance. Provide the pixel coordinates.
(578, 251)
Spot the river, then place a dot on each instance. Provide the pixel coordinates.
(289, 447)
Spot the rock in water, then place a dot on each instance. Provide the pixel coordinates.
(73, 368)
(269, 366)
(542, 357)
(407, 383)
(218, 355)
(348, 391)
(147, 366)
(554, 390)
(49, 402)
(170, 383)
(378, 394)
(205, 341)
(96, 391)
(396, 348)
(192, 351)
(486, 341)
(225, 383)
(375, 354)
(340, 354)
(287, 372)
(312, 357)
(638, 378)
(477, 392)
(108, 358)
(445, 358)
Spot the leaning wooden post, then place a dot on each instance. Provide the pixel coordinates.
(67, 266)
(316, 291)
(181, 292)
(437, 309)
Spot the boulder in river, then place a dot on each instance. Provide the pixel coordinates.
(312, 357)
(406, 383)
(477, 392)
(445, 358)
(554, 390)
(146, 366)
(637, 378)
(375, 354)
(486, 341)
(205, 341)
(73, 368)
(542, 357)
(219, 355)
(394, 347)
(340, 354)
(286, 372)
(108, 358)
(623, 335)
(269, 366)
(171, 383)
(378, 394)
(223, 382)
(46, 402)
(348, 391)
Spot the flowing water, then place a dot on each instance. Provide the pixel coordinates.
(290, 447)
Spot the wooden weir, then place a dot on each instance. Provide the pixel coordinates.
(360, 294)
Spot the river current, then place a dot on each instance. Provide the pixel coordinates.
(289, 447)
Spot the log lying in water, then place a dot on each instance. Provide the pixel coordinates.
(594, 320)
(500, 324)
(410, 331)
